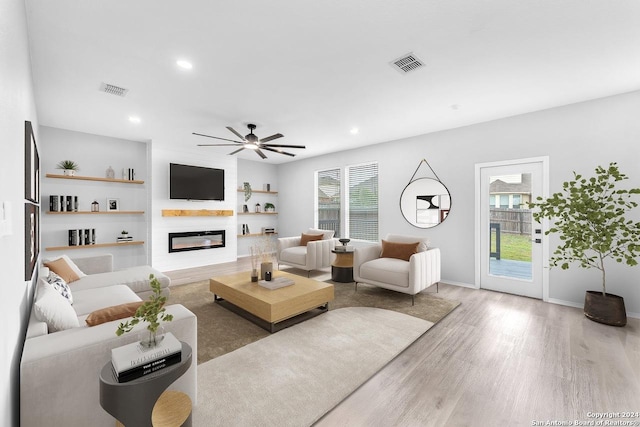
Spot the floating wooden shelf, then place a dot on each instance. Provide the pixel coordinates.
(201, 212)
(257, 213)
(97, 245)
(95, 178)
(259, 191)
(257, 234)
(96, 213)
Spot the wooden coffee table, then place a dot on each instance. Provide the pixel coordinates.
(275, 309)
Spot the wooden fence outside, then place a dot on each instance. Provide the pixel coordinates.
(514, 221)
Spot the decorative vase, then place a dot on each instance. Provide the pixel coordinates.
(264, 267)
(150, 339)
(68, 172)
(254, 275)
(607, 309)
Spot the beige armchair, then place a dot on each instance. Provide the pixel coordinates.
(314, 255)
(421, 271)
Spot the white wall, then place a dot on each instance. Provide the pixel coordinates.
(575, 137)
(94, 154)
(257, 174)
(162, 226)
(16, 106)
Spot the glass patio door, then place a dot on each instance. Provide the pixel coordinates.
(511, 242)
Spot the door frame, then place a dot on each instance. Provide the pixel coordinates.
(544, 160)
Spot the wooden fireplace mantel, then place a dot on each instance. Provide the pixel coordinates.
(198, 212)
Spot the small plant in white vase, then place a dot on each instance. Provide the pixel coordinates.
(151, 311)
(69, 167)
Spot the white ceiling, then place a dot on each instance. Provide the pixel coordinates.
(313, 70)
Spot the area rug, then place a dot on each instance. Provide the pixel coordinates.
(293, 377)
(221, 331)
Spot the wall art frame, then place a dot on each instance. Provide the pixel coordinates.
(31, 165)
(31, 238)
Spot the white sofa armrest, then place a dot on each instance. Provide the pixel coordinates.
(59, 373)
(95, 264)
(319, 253)
(424, 270)
(364, 254)
(286, 242)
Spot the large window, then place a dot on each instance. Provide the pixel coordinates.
(348, 207)
(328, 200)
(362, 194)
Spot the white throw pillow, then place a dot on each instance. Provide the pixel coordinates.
(60, 285)
(54, 309)
(72, 265)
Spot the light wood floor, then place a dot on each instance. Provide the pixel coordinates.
(497, 360)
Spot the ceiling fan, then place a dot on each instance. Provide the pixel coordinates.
(252, 142)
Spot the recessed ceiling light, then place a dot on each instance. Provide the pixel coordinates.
(134, 119)
(184, 64)
(354, 131)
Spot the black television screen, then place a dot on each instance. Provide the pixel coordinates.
(195, 182)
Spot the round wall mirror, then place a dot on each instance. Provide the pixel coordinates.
(425, 202)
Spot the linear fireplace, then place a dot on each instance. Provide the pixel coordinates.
(196, 240)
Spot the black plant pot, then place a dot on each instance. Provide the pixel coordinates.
(608, 309)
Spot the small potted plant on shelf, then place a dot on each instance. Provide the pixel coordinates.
(590, 217)
(151, 311)
(69, 167)
(269, 207)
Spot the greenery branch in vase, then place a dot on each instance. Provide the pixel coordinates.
(151, 311)
(247, 191)
(69, 167)
(590, 217)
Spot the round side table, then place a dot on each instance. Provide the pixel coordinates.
(342, 267)
(144, 401)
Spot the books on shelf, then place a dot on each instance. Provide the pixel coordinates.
(121, 239)
(277, 282)
(63, 203)
(133, 360)
(82, 237)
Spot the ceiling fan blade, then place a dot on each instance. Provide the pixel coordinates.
(271, 138)
(217, 145)
(278, 151)
(236, 133)
(217, 137)
(284, 146)
(237, 151)
(260, 153)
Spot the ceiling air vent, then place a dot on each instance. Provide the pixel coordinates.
(407, 63)
(113, 90)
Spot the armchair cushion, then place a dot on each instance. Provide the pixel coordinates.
(386, 270)
(295, 254)
(397, 250)
(306, 238)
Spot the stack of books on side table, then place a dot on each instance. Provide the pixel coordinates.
(133, 360)
(277, 282)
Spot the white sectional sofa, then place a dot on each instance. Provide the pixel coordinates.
(59, 371)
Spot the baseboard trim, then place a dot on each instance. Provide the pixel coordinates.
(461, 284)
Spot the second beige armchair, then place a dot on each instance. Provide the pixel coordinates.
(309, 251)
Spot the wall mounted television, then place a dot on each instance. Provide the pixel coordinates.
(195, 182)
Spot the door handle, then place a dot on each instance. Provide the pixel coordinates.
(536, 240)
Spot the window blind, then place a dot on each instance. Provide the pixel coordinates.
(328, 201)
(363, 201)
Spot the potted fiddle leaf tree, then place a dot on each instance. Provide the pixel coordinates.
(590, 216)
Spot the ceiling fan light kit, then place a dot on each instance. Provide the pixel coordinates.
(251, 142)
